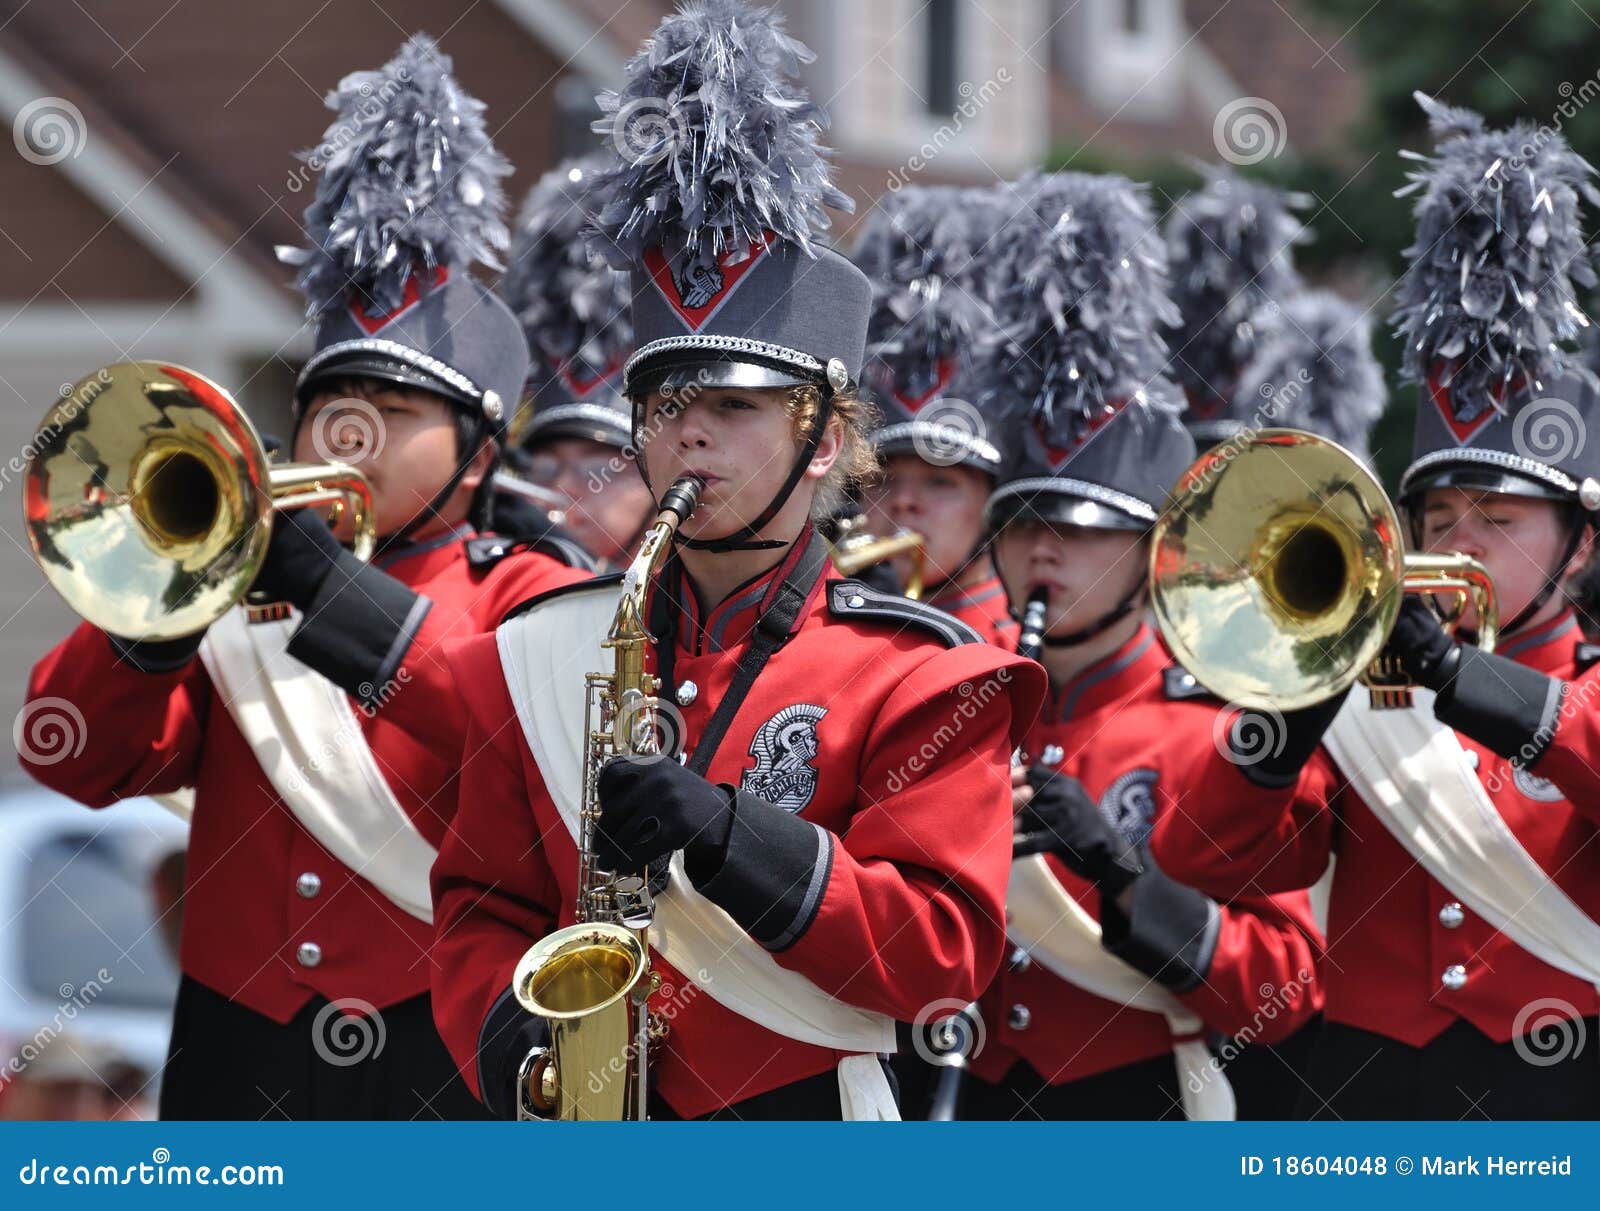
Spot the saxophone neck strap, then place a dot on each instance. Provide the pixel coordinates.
(773, 628)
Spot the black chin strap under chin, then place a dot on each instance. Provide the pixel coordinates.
(744, 539)
(930, 591)
(1552, 580)
(1101, 624)
(443, 494)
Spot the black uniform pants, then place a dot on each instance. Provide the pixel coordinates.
(1462, 1074)
(229, 1062)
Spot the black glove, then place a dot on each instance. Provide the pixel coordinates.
(1062, 819)
(301, 555)
(508, 1033)
(1505, 706)
(1425, 650)
(651, 807)
(1271, 749)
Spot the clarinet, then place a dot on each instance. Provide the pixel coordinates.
(955, 1035)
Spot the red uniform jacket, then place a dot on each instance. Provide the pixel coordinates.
(1124, 727)
(249, 907)
(911, 840)
(983, 607)
(1393, 931)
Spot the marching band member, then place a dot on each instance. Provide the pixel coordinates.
(843, 809)
(1462, 934)
(1119, 972)
(322, 750)
(1230, 246)
(921, 248)
(574, 308)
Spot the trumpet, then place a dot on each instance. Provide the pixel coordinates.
(552, 502)
(855, 549)
(148, 499)
(1277, 569)
(592, 980)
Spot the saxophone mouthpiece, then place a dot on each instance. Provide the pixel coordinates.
(682, 496)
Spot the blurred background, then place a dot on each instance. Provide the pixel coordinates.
(153, 167)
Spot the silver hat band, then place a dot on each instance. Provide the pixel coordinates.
(941, 436)
(397, 351)
(599, 414)
(723, 344)
(1110, 497)
(1506, 461)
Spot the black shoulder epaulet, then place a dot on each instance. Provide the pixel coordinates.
(1179, 682)
(564, 550)
(577, 586)
(852, 599)
(1586, 655)
(486, 550)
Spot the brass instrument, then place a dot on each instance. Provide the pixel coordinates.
(1277, 570)
(856, 549)
(553, 503)
(149, 499)
(592, 980)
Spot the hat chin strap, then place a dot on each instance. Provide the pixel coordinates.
(744, 538)
(404, 533)
(1552, 580)
(1100, 625)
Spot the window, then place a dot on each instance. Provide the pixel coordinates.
(576, 113)
(941, 83)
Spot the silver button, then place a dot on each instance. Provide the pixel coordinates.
(1053, 754)
(687, 693)
(1019, 1018)
(856, 601)
(309, 954)
(1187, 681)
(1021, 960)
(1455, 976)
(1452, 915)
(308, 885)
(1472, 759)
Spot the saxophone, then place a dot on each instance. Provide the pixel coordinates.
(592, 980)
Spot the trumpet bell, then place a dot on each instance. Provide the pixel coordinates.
(147, 499)
(1277, 570)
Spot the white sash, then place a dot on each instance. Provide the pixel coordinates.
(309, 742)
(545, 654)
(1055, 929)
(1411, 770)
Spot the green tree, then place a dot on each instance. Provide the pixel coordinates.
(1510, 60)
